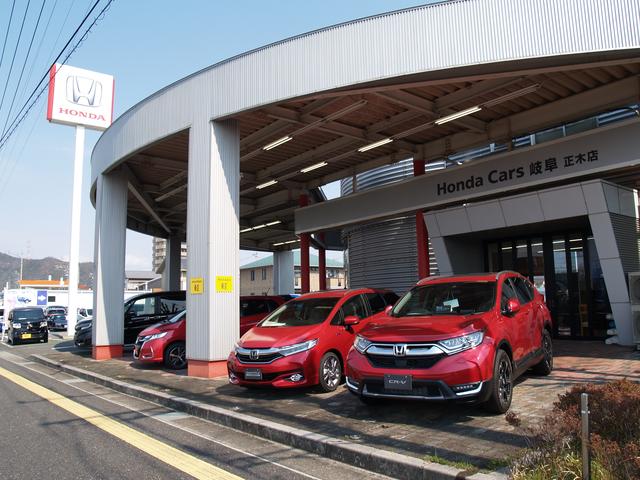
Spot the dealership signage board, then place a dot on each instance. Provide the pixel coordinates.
(589, 153)
(80, 97)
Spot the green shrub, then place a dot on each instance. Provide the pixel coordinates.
(614, 422)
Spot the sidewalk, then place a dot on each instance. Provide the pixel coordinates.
(454, 433)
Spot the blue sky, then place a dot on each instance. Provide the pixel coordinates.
(145, 45)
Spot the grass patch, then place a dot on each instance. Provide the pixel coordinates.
(466, 466)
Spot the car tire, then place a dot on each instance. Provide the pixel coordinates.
(175, 356)
(45, 339)
(330, 372)
(545, 366)
(502, 384)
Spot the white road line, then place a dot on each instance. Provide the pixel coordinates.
(159, 418)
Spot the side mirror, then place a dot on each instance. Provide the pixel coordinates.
(388, 309)
(513, 306)
(351, 320)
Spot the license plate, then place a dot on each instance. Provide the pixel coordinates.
(25, 336)
(253, 374)
(397, 382)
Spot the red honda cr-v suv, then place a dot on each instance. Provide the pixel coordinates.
(306, 340)
(454, 338)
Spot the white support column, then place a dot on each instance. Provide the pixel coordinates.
(213, 245)
(109, 255)
(172, 264)
(74, 246)
(283, 274)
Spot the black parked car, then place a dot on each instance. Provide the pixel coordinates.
(57, 322)
(140, 312)
(27, 324)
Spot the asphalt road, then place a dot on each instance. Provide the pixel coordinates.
(57, 426)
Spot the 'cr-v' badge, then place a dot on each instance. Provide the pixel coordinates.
(400, 349)
(84, 91)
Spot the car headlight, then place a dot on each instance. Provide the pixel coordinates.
(16, 325)
(297, 348)
(465, 342)
(361, 344)
(155, 336)
(43, 324)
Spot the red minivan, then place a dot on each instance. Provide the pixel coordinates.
(464, 338)
(164, 342)
(305, 341)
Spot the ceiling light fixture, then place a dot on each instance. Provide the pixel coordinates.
(244, 230)
(314, 167)
(292, 241)
(258, 227)
(277, 143)
(276, 222)
(266, 184)
(457, 115)
(278, 244)
(377, 144)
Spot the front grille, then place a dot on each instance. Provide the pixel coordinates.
(421, 390)
(262, 358)
(383, 361)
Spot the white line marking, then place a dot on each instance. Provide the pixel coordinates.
(184, 429)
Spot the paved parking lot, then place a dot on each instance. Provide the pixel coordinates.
(452, 432)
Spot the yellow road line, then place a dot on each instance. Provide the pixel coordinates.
(165, 453)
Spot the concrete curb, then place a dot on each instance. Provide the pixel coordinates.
(385, 462)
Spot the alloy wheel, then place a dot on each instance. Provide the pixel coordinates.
(331, 372)
(177, 357)
(505, 384)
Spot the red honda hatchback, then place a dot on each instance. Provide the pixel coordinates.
(305, 341)
(454, 338)
(164, 342)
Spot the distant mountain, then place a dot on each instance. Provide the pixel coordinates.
(39, 269)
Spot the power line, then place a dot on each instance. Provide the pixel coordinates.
(15, 50)
(4, 45)
(38, 91)
(24, 65)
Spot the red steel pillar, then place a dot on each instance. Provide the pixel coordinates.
(305, 273)
(422, 238)
(322, 265)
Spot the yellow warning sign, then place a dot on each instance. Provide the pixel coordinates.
(224, 284)
(197, 285)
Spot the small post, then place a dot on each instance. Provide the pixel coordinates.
(584, 412)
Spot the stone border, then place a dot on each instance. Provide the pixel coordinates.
(385, 462)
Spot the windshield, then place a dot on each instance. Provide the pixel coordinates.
(456, 298)
(300, 313)
(27, 314)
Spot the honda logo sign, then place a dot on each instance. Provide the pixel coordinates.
(84, 91)
(253, 354)
(80, 97)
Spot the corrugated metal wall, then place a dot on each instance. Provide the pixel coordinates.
(627, 232)
(383, 254)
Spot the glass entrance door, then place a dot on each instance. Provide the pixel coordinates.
(566, 270)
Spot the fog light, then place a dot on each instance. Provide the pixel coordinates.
(296, 377)
(232, 378)
(466, 387)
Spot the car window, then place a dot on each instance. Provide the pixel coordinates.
(353, 306)
(144, 306)
(376, 302)
(172, 305)
(253, 307)
(272, 304)
(300, 313)
(28, 314)
(507, 294)
(457, 298)
(522, 291)
(390, 297)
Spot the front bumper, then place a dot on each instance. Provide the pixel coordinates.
(151, 351)
(82, 338)
(30, 336)
(294, 371)
(464, 377)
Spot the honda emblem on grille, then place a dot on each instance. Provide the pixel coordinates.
(253, 355)
(400, 349)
